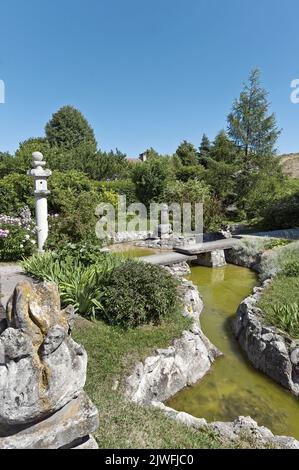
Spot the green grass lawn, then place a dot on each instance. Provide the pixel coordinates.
(280, 301)
(112, 352)
(277, 302)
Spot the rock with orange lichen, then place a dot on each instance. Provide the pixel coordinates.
(41, 367)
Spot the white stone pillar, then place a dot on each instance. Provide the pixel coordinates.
(41, 192)
(164, 228)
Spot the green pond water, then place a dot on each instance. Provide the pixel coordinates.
(128, 250)
(233, 387)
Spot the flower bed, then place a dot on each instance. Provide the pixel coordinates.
(17, 236)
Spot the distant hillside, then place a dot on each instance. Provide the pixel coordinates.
(290, 164)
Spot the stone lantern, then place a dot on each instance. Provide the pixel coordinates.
(164, 229)
(40, 175)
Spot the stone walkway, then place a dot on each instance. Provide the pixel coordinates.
(10, 275)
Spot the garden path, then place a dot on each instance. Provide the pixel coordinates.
(10, 275)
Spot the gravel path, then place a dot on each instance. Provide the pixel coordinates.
(10, 275)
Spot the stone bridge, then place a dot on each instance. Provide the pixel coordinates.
(210, 254)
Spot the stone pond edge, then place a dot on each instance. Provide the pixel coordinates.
(143, 386)
(267, 348)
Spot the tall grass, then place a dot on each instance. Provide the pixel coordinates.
(286, 317)
(280, 301)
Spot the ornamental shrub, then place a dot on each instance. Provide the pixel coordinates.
(19, 242)
(137, 294)
(15, 192)
(122, 188)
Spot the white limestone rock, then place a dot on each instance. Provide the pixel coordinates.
(184, 363)
(267, 348)
(41, 367)
(68, 428)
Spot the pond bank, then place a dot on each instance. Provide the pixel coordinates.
(240, 430)
(267, 348)
(234, 387)
(184, 363)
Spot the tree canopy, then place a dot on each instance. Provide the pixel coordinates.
(68, 128)
(187, 153)
(204, 149)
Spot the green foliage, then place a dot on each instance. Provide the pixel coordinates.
(195, 191)
(79, 158)
(122, 188)
(287, 318)
(250, 247)
(151, 153)
(7, 164)
(280, 301)
(260, 185)
(84, 177)
(92, 282)
(82, 288)
(291, 269)
(276, 243)
(185, 173)
(204, 149)
(72, 143)
(112, 354)
(251, 186)
(68, 128)
(150, 179)
(187, 154)
(249, 124)
(97, 166)
(274, 261)
(72, 205)
(192, 191)
(108, 166)
(23, 156)
(223, 165)
(224, 150)
(18, 244)
(280, 304)
(80, 284)
(148, 294)
(76, 220)
(67, 186)
(15, 193)
(283, 213)
(85, 253)
(221, 178)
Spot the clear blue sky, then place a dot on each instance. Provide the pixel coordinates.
(144, 72)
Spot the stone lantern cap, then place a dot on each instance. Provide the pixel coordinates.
(38, 165)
